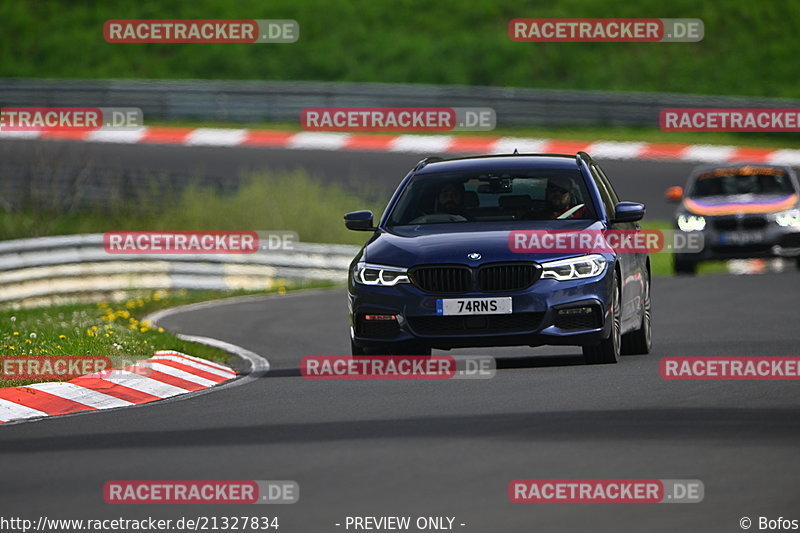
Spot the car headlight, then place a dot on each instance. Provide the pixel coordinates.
(691, 223)
(369, 274)
(585, 266)
(788, 218)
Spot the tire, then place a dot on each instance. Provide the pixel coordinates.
(608, 350)
(639, 342)
(683, 267)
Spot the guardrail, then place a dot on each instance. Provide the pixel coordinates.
(276, 101)
(34, 270)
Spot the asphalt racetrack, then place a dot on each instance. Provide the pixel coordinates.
(450, 448)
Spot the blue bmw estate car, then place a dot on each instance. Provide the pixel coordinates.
(438, 270)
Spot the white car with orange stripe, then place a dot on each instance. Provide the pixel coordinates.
(745, 211)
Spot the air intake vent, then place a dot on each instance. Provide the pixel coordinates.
(442, 279)
(507, 277)
(493, 277)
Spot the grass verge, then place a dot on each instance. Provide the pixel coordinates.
(290, 201)
(105, 329)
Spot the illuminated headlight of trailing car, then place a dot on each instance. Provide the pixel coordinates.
(788, 218)
(585, 266)
(691, 223)
(369, 274)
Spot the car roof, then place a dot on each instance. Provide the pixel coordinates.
(501, 162)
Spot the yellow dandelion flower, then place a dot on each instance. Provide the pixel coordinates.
(16, 333)
(62, 336)
(161, 330)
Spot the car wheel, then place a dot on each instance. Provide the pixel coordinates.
(608, 350)
(639, 342)
(684, 267)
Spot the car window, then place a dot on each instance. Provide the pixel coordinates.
(607, 193)
(748, 180)
(609, 186)
(493, 196)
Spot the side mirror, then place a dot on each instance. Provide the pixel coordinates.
(674, 194)
(359, 221)
(628, 212)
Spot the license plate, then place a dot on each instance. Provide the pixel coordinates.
(473, 306)
(741, 237)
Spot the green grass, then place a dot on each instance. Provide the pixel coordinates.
(285, 201)
(748, 47)
(112, 329)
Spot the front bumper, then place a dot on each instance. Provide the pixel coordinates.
(534, 320)
(770, 241)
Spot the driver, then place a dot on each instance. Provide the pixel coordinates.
(451, 198)
(561, 200)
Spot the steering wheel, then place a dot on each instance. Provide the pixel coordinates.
(569, 212)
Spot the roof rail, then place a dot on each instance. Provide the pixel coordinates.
(583, 155)
(425, 161)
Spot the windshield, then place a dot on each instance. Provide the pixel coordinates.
(502, 196)
(747, 180)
